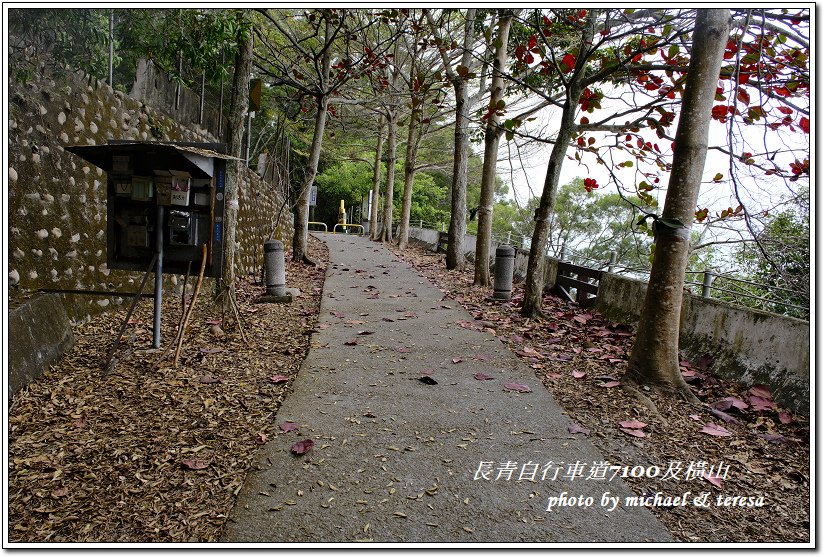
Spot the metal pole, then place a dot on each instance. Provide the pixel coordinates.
(202, 96)
(248, 137)
(111, 48)
(613, 259)
(158, 290)
(220, 111)
(705, 288)
(179, 88)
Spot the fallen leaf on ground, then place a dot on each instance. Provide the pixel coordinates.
(717, 481)
(579, 374)
(632, 424)
(518, 387)
(288, 426)
(633, 432)
(194, 464)
(715, 429)
(278, 379)
(482, 377)
(302, 447)
(575, 428)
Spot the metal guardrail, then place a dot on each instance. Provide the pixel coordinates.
(323, 224)
(345, 226)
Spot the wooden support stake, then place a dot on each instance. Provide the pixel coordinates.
(123, 325)
(191, 306)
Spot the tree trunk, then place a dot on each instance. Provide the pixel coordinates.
(301, 237)
(391, 157)
(491, 139)
(234, 139)
(455, 259)
(409, 175)
(376, 183)
(535, 270)
(654, 357)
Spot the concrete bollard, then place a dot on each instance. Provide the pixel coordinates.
(504, 267)
(275, 268)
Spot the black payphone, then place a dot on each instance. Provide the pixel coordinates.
(164, 202)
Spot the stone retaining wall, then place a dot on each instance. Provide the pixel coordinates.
(57, 201)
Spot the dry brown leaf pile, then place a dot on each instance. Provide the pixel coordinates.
(152, 453)
(580, 357)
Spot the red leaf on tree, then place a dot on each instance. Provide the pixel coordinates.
(715, 429)
(302, 447)
(567, 63)
(719, 112)
(804, 123)
(288, 426)
(278, 379)
(518, 387)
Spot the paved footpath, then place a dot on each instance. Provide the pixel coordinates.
(395, 459)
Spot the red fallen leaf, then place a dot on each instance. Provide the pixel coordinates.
(261, 439)
(717, 481)
(428, 371)
(730, 402)
(633, 432)
(302, 447)
(457, 360)
(278, 379)
(575, 428)
(252, 310)
(482, 377)
(210, 350)
(516, 339)
(580, 319)
(760, 404)
(364, 333)
(723, 415)
(213, 321)
(60, 492)
(427, 380)
(518, 387)
(579, 374)
(632, 424)
(553, 376)
(388, 320)
(208, 380)
(194, 464)
(352, 342)
(403, 350)
(695, 417)
(134, 321)
(715, 429)
(288, 426)
(761, 391)
(610, 384)
(785, 418)
(773, 438)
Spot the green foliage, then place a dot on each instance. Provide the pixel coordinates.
(60, 37)
(784, 262)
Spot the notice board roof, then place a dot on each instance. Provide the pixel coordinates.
(147, 156)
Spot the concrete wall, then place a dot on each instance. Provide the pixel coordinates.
(57, 201)
(39, 334)
(747, 345)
